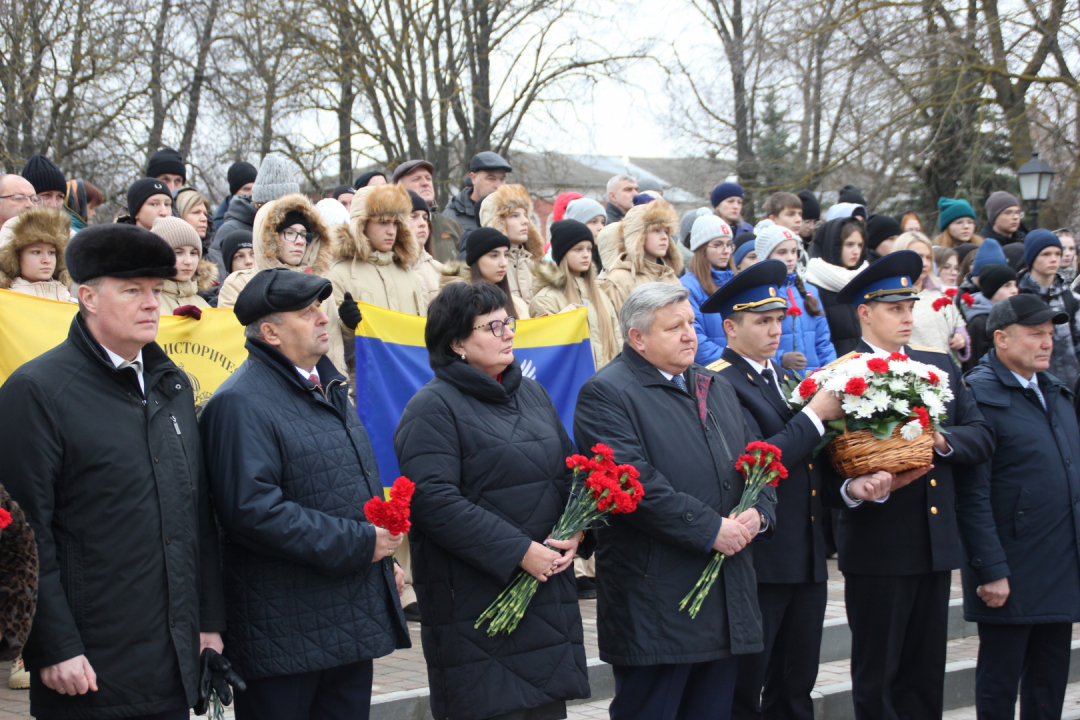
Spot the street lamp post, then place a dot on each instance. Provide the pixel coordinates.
(1035, 176)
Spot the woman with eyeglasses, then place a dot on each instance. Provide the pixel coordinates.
(290, 233)
(487, 257)
(486, 449)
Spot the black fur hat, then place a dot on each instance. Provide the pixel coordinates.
(120, 251)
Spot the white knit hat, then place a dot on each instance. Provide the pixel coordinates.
(768, 238)
(706, 229)
(273, 181)
(332, 211)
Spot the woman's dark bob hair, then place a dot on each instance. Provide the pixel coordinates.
(452, 316)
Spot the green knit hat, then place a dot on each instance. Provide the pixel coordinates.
(951, 209)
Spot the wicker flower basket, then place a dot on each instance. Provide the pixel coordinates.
(859, 452)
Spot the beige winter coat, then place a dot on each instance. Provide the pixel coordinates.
(498, 206)
(176, 295)
(632, 269)
(550, 299)
(457, 271)
(266, 244)
(36, 225)
(429, 270)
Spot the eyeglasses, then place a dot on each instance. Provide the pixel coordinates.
(20, 198)
(293, 236)
(497, 326)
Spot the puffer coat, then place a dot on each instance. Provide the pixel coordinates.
(291, 467)
(488, 460)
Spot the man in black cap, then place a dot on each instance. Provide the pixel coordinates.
(898, 540)
(344, 195)
(791, 571)
(1020, 518)
(881, 234)
(309, 583)
(167, 166)
(47, 179)
(446, 232)
(487, 173)
(241, 177)
(101, 450)
(811, 215)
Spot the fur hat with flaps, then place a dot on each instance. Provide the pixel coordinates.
(36, 225)
(501, 204)
(266, 242)
(391, 202)
(639, 222)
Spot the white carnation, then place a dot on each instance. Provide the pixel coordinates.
(911, 430)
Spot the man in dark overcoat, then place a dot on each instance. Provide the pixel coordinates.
(790, 568)
(1019, 518)
(101, 450)
(898, 540)
(681, 426)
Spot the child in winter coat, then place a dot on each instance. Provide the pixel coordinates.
(805, 344)
(32, 248)
(647, 238)
(710, 269)
(571, 251)
(507, 210)
(426, 267)
(193, 274)
(487, 258)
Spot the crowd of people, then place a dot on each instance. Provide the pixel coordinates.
(176, 551)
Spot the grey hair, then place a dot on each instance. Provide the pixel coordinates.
(254, 330)
(639, 310)
(613, 183)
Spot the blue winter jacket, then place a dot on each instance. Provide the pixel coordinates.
(812, 339)
(710, 326)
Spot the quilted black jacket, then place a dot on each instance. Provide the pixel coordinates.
(291, 468)
(488, 460)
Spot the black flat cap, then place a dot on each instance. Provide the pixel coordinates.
(279, 290)
(1022, 309)
(488, 160)
(120, 251)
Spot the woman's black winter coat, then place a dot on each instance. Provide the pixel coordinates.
(488, 460)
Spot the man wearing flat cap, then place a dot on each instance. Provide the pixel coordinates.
(487, 173)
(1019, 517)
(101, 450)
(310, 591)
(790, 568)
(898, 540)
(416, 175)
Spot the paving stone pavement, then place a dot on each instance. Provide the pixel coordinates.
(405, 669)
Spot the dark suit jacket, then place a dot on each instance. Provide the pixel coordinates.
(915, 530)
(796, 553)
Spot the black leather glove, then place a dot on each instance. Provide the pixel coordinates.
(216, 674)
(349, 312)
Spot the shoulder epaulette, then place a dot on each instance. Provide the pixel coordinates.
(718, 365)
(923, 348)
(840, 360)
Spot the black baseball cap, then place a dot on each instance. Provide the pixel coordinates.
(1023, 309)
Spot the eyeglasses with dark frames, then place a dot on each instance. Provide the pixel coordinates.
(497, 326)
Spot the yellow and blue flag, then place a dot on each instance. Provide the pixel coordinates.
(392, 364)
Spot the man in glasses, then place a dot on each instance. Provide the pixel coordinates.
(16, 195)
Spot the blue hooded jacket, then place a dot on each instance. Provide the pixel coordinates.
(812, 339)
(710, 326)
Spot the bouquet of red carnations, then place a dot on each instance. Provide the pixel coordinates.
(599, 487)
(759, 467)
(394, 513)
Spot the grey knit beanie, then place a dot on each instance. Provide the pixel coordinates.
(997, 202)
(706, 229)
(768, 238)
(275, 180)
(583, 210)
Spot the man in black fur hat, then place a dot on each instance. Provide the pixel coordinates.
(101, 450)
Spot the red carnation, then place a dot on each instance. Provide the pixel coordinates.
(5, 518)
(898, 356)
(878, 365)
(604, 451)
(402, 490)
(934, 379)
(807, 388)
(951, 292)
(392, 515)
(968, 300)
(764, 447)
(793, 310)
(923, 416)
(577, 461)
(855, 386)
(941, 303)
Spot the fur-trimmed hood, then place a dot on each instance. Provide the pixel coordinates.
(206, 273)
(380, 201)
(546, 274)
(35, 225)
(501, 204)
(267, 244)
(455, 269)
(637, 223)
